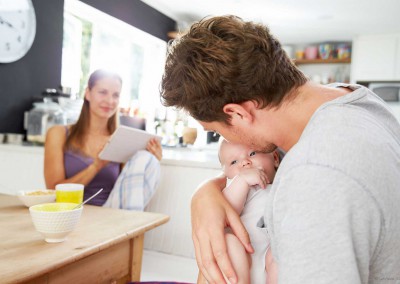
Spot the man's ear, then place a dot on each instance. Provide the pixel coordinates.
(239, 112)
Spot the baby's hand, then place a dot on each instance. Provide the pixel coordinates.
(254, 176)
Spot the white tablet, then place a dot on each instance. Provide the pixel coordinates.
(124, 143)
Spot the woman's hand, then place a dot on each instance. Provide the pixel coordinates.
(211, 213)
(99, 164)
(154, 147)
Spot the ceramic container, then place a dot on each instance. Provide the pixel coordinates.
(55, 221)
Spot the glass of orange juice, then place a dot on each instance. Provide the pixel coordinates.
(69, 192)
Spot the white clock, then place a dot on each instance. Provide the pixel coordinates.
(17, 29)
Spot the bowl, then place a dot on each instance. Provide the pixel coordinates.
(33, 197)
(55, 221)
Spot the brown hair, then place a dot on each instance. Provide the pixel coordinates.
(75, 139)
(225, 60)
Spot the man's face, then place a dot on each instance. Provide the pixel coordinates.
(237, 134)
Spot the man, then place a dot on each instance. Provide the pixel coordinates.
(334, 216)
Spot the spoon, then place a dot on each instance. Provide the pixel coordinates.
(80, 204)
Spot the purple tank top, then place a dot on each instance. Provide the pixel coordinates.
(75, 162)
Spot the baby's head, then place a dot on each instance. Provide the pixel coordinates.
(235, 157)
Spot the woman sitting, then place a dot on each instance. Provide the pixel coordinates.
(71, 152)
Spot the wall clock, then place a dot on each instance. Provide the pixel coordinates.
(17, 29)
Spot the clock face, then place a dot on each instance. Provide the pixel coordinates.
(17, 29)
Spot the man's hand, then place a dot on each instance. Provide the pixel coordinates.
(211, 213)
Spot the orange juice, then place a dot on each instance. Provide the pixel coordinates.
(69, 192)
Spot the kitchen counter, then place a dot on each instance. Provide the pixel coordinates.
(22, 166)
(192, 157)
(202, 158)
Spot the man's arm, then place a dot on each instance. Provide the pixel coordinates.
(210, 214)
(325, 227)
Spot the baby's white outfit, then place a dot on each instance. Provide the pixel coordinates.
(252, 217)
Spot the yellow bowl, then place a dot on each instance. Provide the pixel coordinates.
(55, 221)
(54, 207)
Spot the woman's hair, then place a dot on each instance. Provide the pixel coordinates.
(224, 60)
(78, 130)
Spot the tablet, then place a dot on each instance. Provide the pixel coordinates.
(124, 143)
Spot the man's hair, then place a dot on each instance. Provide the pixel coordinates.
(225, 60)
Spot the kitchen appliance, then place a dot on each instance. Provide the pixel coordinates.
(212, 137)
(14, 138)
(40, 118)
(388, 91)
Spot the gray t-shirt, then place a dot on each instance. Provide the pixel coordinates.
(334, 215)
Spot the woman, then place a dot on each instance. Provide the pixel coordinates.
(71, 152)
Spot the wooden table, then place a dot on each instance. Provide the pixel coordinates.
(105, 247)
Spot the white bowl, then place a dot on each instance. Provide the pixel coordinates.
(55, 220)
(33, 197)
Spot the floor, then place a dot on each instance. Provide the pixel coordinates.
(165, 267)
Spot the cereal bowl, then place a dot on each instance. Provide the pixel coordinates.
(33, 197)
(55, 220)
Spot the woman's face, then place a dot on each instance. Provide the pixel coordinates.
(103, 97)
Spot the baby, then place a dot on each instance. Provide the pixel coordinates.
(249, 174)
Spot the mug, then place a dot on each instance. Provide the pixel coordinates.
(311, 52)
(326, 51)
(69, 192)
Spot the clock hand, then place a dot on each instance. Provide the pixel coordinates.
(3, 22)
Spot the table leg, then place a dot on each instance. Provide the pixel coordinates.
(136, 255)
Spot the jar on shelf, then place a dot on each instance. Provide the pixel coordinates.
(343, 51)
(40, 118)
(311, 52)
(326, 51)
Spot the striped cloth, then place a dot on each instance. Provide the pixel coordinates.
(136, 184)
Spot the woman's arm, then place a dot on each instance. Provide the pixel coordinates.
(210, 214)
(54, 170)
(154, 147)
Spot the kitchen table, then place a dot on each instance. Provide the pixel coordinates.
(105, 247)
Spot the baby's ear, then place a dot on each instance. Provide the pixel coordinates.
(277, 158)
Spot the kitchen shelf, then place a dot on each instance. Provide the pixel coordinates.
(321, 61)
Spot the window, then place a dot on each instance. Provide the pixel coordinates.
(94, 40)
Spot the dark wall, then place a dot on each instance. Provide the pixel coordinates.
(137, 14)
(40, 68)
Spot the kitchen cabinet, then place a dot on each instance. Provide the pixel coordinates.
(21, 168)
(376, 58)
(177, 185)
(397, 59)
